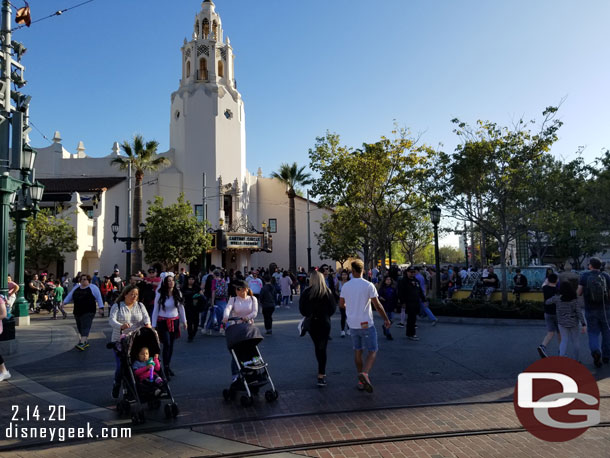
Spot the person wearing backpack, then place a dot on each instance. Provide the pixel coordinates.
(593, 287)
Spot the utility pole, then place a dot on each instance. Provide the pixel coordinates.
(204, 256)
(130, 237)
(308, 236)
(22, 194)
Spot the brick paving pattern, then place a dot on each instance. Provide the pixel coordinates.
(363, 425)
(144, 445)
(595, 443)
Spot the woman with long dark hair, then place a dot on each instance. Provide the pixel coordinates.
(168, 315)
(317, 303)
(189, 289)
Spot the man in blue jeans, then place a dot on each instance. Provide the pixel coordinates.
(356, 298)
(593, 286)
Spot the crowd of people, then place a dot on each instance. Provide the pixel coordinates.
(170, 301)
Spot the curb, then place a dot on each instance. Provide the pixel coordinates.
(489, 321)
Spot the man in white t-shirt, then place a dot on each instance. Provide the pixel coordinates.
(356, 298)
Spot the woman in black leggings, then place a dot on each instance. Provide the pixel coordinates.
(318, 304)
(4, 373)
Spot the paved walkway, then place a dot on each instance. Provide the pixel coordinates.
(467, 368)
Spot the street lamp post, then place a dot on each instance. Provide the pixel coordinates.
(128, 241)
(466, 245)
(435, 217)
(26, 205)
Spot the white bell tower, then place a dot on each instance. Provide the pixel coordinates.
(207, 124)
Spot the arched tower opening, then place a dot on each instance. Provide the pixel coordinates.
(203, 69)
(206, 28)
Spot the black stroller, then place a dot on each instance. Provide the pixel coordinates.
(242, 342)
(133, 392)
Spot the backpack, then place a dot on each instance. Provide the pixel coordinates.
(221, 289)
(596, 288)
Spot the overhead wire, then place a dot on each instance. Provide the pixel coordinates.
(56, 13)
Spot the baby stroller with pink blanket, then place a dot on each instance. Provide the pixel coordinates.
(134, 393)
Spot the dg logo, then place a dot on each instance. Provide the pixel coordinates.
(557, 399)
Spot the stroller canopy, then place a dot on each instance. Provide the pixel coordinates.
(242, 334)
(142, 337)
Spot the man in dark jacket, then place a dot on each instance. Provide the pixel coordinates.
(410, 294)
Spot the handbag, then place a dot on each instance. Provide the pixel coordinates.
(304, 325)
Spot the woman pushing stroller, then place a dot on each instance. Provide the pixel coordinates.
(244, 306)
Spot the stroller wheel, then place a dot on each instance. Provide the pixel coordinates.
(226, 394)
(135, 420)
(247, 401)
(271, 396)
(123, 407)
(175, 410)
(168, 411)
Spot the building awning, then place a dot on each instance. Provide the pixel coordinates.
(61, 189)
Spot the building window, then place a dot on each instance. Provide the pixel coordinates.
(221, 69)
(272, 225)
(206, 28)
(197, 29)
(188, 69)
(199, 213)
(215, 30)
(203, 69)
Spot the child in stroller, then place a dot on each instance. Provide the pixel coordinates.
(134, 392)
(147, 369)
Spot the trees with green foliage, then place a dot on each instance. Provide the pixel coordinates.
(340, 236)
(48, 238)
(488, 179)
(378, 183)
(173, 235)
(143, 158)
(415, 234)
(292, 176)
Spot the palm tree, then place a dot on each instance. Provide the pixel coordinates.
(142, 157)
(292, 176)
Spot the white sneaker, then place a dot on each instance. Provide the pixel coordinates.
(342, 333)
(347, 333)
(222, 331)
(5, 376)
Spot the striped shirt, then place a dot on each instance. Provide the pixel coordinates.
(120, 314)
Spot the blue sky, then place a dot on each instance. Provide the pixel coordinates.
(105, 70)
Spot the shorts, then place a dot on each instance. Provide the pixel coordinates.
(551, 322)
(362, 338)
